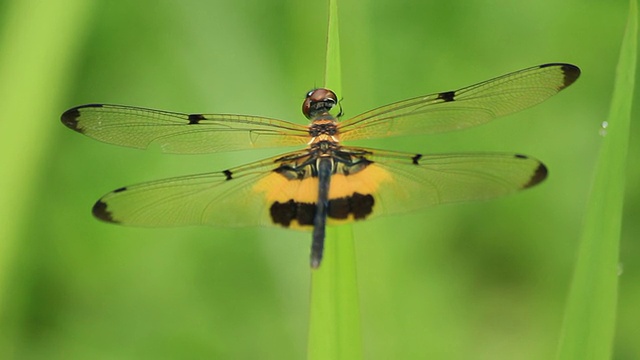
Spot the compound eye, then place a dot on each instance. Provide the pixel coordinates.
(322, 94)
(318, 101)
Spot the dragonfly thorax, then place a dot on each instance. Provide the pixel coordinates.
(323, 127)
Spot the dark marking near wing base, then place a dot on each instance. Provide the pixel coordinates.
(447, 96)
(100, 211)
(228, 174)
(284, 213)
(195, 118)
(358, 205)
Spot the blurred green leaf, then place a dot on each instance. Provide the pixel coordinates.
(590, 317)
(34, 60)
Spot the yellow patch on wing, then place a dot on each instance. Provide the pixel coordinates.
(277, 187)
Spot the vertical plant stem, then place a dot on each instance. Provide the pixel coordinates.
(334, 323)
(590, 313)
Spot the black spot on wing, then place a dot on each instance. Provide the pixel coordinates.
(71, 117)
(284, 213)
(571, 73)
(228, 174)
(416, 159)
(195, 118)
(358, 205)
(447, 96)
(120, 189)
(538, 176)
(339, 208)
(100, 211)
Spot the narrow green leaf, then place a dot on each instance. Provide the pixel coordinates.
(589, 321)
(333, 72)
(334, 324)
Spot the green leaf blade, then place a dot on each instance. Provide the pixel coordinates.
(590, 314)
(334, 322)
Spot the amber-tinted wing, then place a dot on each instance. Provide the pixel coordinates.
(470, 106)
(181, 133)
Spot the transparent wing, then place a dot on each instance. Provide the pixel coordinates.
(470, 106)
(181, 133)
(409, 182)
(225, 198)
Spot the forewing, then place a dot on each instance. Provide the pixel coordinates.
(470, 106)
(413, 181)
(181, 133)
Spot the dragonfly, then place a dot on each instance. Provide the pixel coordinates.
(325, 183)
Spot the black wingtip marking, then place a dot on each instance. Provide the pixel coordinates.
(571, 74)
(447, 96)
(538, 176)
(100, 211)
(195, 118)
(416, 159)
(228, 174)
(120, 189)
(570, 71)
(70, 117)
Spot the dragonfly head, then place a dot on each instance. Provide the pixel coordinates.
(318, 101)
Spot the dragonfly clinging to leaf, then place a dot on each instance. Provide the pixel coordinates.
(325, 183)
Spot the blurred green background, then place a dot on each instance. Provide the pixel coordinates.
(482, 280)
